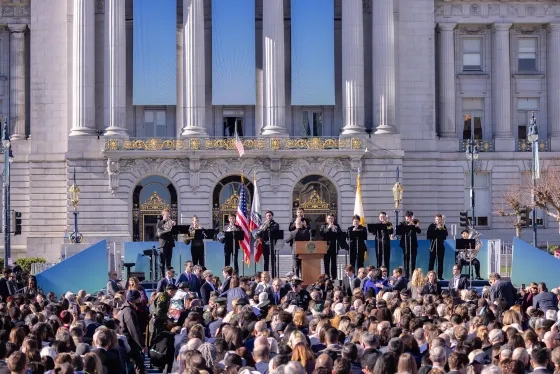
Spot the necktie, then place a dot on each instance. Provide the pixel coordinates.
(277, 298)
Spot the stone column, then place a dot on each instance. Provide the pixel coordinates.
(553, 81)
(447, 81)
(115, 68)
(502, 82)
(353, 67)
(383, 30)
(274, 69)
(83, 68)
(194, 69)
(17, 80)
(179, 114)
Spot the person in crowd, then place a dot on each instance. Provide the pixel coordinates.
(432, 286)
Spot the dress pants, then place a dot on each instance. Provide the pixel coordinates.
(409, 260)
(437, 250)
(165, 257)
(383, 252)
(227, 262)
(329, 260)
(353, 255)
(361, 257)
(269, 260)
(197, 253)
(475, 263)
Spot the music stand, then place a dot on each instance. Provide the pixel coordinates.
(233, 237)
(360, 235)
(406, 231)
(204, 234)
(273, 237)
(378, 229)
(462, 245)
(153, 253)
(180, 229)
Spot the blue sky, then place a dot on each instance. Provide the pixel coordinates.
(233, 52)
(313, 52)
(155, 52)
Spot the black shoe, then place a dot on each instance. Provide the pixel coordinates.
(441, 279)
(478, 278)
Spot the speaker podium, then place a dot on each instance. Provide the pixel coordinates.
(311, 254)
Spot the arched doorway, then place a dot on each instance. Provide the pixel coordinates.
(318, 196)
(226, 198)
(150, 197)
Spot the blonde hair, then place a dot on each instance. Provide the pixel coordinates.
(428, 274)
(417, 278)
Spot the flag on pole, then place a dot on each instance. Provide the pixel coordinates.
(256, 220)
(243, 222)
(537, 162)
(359, 207)
(239, 143)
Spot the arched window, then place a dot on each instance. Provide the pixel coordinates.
(225, 198)
(318, 196)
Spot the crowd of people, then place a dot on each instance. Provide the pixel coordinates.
(369, 323)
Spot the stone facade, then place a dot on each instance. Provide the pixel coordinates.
(62, 82)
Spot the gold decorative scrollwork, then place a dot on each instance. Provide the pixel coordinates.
(275, 144)
(149, 144)
(231, 203)
(195, 144)
(154, 203)
(314, 202)
(112, 145)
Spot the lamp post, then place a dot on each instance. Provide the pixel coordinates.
(533, 137)
(472, 155)
(397, 196)
(74, 190)
(8, 158)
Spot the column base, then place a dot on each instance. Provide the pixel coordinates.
(274, 131)
(116, 132)
(194, 131)
(504, 145)
(385, 130)
(555, 144)
(18, 137)
(82, 131)
(353, 131)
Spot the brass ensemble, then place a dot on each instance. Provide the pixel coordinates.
(257, 233)
(167, 227)
(415, 222)
(190, 236)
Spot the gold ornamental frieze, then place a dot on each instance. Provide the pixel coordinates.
(154, 203)
(314, 202)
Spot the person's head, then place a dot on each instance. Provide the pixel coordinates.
(169, 272)
(300, 212)
(231, 219)
(17, 362)
(276, 285)
(465, 234)
(133, 283)
(456, 270)
(382, 217)
(438, 220)
(457, 361)
(330, 219)
(539, 357)
(113, 275)
(542, 287)
(165, 213)
(386, 364)
(189, 266)
(324, 361)
(356, 220)
(397, 272)
(269, 215)
(349, 270)
(208, 276)
(431, 276)
(227, 271)
(368, 363)
(409, 216)
(92, 364)
(195, 221)
(342, 366)
(438, 355)
(493, 278)
(522, 355)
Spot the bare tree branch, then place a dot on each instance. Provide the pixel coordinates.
(547, 193)
(517, 199)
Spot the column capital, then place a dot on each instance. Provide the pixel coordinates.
(447, 26)
(502, 26)
(554, 26)
(17, 27)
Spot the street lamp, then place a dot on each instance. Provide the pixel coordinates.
(472, 155)
(8, 159)
(533, 137)
(74, 191)
(397, 196)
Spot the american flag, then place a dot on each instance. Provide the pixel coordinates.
(256, 220)
(239, 143)
(243, 222)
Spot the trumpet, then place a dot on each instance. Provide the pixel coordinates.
(257, 232)
(415, 222)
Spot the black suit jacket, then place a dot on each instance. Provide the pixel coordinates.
(399, 285)
(463, 283)
(326, 234)
(545, 301)
(408, 235)
(110, 361)
(503, 290)
(431, 289)
(541, 371)
(293, 224)
(272, 296)
(167, 239)
(299, 235)
(348, 287)
(225, 286)
(205, 291)
(163, 283)
(228, 244)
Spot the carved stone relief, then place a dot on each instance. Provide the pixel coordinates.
(530, 9)
(367, 6)
(513, 10)
(456, 10)
(494, 9)
(473, 30)
(475, 10)
(525, 29)
(438, 10)
(99, 6)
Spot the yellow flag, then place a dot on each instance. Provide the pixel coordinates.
(359, 207)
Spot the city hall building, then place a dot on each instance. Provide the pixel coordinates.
(392, 85)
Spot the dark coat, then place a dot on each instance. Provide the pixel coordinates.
(399, 285)
(431, 289)
(205, 292)
(408, 236)
(504, 290)
(110, 361)
(348, 287)
(129, 322)
(163, 283)
(545, 300)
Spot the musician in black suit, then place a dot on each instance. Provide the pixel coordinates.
(229, 247)
(408, 231)
(197, 245)
(207, 288)
(329, 232)
(462, 260)
(300, 233)
(350, 280)
(357, 246)
(458, 281)
(266, 233)
(383, 241)
(300, 213)
(437, 233)
(166, 241)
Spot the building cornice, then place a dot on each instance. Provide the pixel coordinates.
(496, 11)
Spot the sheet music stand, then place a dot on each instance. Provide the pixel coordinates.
(274, 237)
(203, 235)
(375, 228)
(233, 237)
(153, 254)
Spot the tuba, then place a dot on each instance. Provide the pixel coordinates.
(470, 254)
